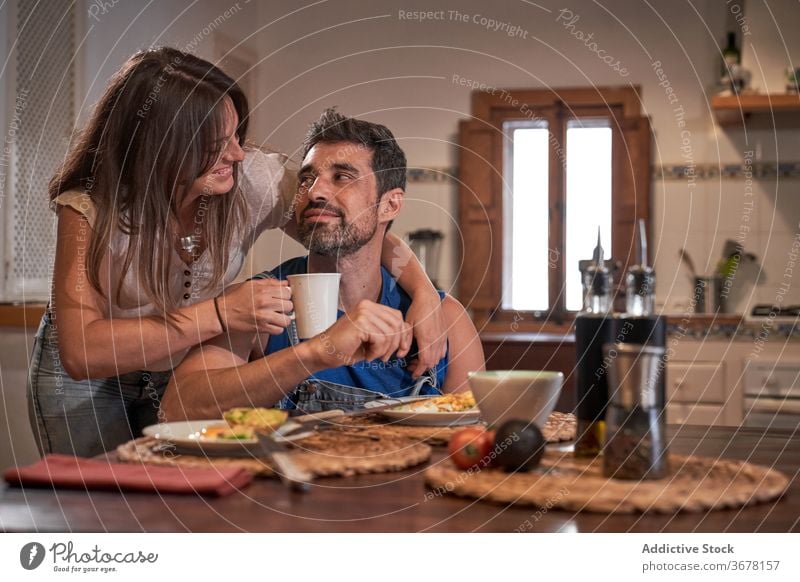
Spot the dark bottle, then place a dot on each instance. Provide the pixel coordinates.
(593, 328)
(730, 55)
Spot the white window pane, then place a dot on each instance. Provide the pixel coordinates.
(588, 199)
(525, 284)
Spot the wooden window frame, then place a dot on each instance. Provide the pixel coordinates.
(480, 206)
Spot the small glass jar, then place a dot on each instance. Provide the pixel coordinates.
(639, 285)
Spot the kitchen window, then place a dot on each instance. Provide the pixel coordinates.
(540, 171)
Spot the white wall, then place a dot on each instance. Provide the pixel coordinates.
(114, 35)
(773, 44)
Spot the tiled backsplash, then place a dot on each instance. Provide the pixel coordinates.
(735, 171)
(762, 215)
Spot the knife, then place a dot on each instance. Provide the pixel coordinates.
(279, 457)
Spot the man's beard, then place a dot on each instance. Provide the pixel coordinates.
(338, 240)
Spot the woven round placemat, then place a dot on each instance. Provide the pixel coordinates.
(561, 481)
(559, 427)
(325, 454)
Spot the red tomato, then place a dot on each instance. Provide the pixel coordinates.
(490, 437)
(470, 447)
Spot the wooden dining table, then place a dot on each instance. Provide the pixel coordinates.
(401, 502)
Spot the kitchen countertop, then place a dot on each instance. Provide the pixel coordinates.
(735, 330)
(21, 315)
(527, 337)
(726, 327)
(396, 502)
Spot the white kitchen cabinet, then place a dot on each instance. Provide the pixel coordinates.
(772, 393)
(17, 445)
(691, 382)
(707, 378)
(703, 384)
(772, 379)
(707, 414)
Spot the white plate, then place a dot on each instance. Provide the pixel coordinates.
(427, 418)
(186, 437)
(399, 400)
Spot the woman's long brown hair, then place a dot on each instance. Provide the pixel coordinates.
(157, 128)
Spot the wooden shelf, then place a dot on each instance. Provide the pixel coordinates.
(734, 109)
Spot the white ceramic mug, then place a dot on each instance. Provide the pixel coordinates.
(316, 299)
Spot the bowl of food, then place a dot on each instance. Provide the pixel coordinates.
(504, 395)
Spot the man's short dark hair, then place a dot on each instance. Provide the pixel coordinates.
(388, 160)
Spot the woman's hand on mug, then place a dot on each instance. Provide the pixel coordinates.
(257, 305)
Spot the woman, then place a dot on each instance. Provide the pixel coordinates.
(153, 226)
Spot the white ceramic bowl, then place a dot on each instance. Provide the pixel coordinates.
(516, 394)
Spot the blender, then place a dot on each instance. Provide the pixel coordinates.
(426, 244)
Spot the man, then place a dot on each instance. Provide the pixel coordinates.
(351, 187)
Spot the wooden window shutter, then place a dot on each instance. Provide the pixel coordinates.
(632, 199)
(480, 216)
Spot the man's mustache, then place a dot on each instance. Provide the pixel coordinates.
(324, 207)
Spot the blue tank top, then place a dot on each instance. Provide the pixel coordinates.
(391, 378)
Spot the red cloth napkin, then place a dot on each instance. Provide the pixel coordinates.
(77, 473)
